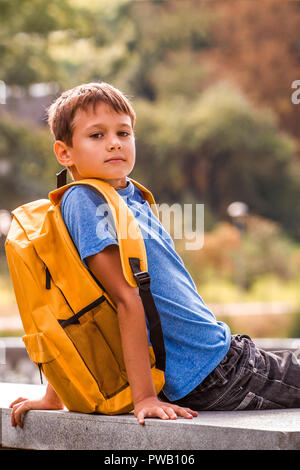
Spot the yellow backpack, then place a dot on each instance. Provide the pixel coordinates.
(70, 322)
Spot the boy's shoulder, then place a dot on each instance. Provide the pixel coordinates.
(83, 196)
(79, 193)
(81, 202)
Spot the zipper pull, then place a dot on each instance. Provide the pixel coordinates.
(40, 369)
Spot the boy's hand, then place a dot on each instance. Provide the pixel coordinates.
(152, 407)
(50, 401)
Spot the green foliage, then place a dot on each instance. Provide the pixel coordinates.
(24, 30)
(263, 263)
(11, 333)
(128, 43)
(166, 61)
(271, 288)
(31, 163)
(199, 139)
(195, 143)
(61, 40)
(220, 291)
(294, 330)
(218, 148)
(267, 250)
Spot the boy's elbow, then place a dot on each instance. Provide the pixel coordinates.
(128, 300)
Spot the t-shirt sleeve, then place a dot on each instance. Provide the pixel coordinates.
(89, 221)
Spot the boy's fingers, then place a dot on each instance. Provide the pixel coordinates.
(18, 400)
(151, 413)
(165, 412)
(15, 416)
(140, 417)
(184, 412)
(162, 413)
(18, 411)
(170, 412)
(194, 413)
(187, 414)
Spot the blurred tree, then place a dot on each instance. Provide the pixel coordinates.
(27, 163)
(198, 138)
(257, 46)
(267, 250)
(67, 41)
(24, 31)
(120, 41)
(263, 251)
(166, 48)
(217, 149)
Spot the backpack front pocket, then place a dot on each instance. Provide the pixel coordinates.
(40, 350)
(96, 337)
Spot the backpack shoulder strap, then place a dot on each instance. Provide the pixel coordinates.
(131, 243)
(148, 196)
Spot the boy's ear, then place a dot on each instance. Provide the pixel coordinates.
(62, 153)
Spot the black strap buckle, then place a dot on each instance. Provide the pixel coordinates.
(143, 279)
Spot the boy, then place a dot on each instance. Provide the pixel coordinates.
(206, 367)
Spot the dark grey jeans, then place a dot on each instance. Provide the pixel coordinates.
(248, 378)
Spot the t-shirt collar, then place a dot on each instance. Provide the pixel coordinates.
(129, 190)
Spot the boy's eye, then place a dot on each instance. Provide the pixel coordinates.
(123, 133)
(96, 136)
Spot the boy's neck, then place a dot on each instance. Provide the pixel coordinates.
(117, 184)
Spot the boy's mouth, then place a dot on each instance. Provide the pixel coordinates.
(115, 160)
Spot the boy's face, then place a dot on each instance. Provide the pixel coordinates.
(103, 145)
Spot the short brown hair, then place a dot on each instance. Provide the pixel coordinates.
(62, 111)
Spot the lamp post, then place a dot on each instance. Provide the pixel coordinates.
(237, 211)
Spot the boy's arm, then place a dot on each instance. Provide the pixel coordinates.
(106, 266)
(50, 401)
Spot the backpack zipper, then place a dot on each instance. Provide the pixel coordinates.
(48, 286)
(40, 369)
(48, 278)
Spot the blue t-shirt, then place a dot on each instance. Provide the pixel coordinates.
(195, 341)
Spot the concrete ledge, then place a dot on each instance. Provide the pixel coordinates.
(64, 430)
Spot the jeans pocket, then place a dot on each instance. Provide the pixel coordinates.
(255, 402)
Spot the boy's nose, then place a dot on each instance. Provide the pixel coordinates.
(114, 146)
